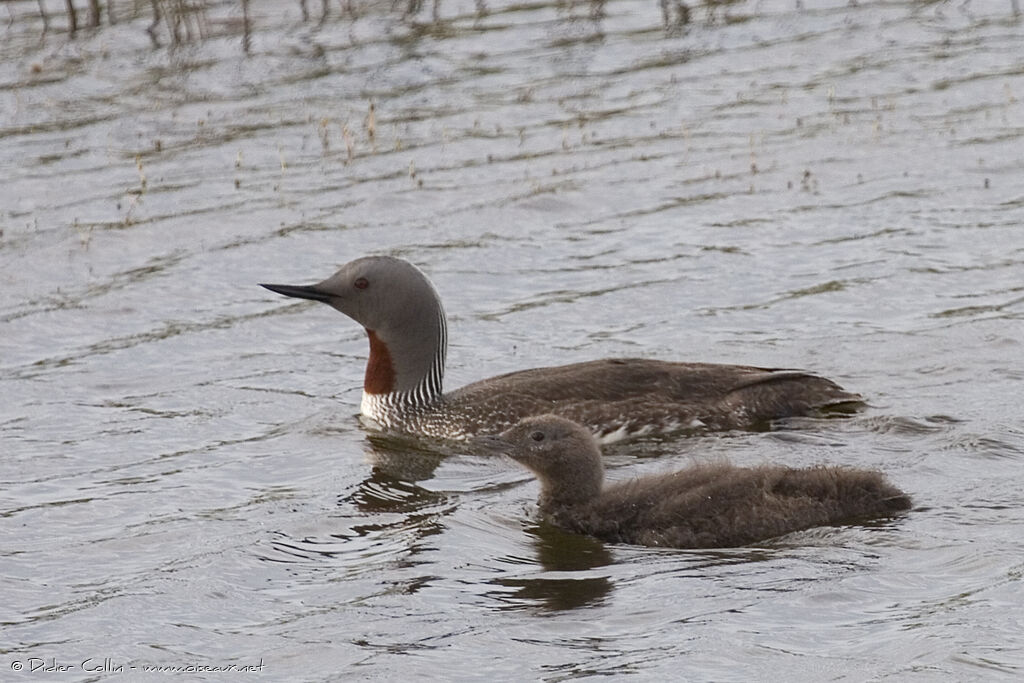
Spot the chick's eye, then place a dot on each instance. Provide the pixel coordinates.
(537, 436)
(361, 283)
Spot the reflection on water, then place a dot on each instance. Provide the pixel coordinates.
(832, 186)
(560, 552)
(403, 457)
(557, 593)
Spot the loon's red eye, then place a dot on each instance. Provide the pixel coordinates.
(361, 283)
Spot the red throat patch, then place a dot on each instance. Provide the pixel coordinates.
(380, 373)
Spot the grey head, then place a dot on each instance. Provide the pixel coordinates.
(403, 317)
(563, 454)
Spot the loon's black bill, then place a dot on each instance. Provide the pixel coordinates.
(299, 291)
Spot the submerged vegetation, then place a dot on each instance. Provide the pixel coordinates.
(184, 21)
(176, 21)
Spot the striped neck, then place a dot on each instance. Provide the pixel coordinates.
(405, 372)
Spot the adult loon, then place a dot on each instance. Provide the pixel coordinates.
(615, 398)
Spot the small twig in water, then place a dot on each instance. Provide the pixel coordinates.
(72, 17)
(142, 174)
(44, 15)
(371, 126)
(151, 29)
(346, 135)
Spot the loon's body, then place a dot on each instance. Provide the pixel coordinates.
(704, 506)
(402, 389)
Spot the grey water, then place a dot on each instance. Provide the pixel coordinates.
(183, 480)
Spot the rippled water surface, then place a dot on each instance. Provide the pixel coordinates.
(183, 482)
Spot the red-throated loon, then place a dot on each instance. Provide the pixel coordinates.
(704, 506)
(618, 397)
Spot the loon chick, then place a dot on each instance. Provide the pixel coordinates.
(402, 390)
(704, 506)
